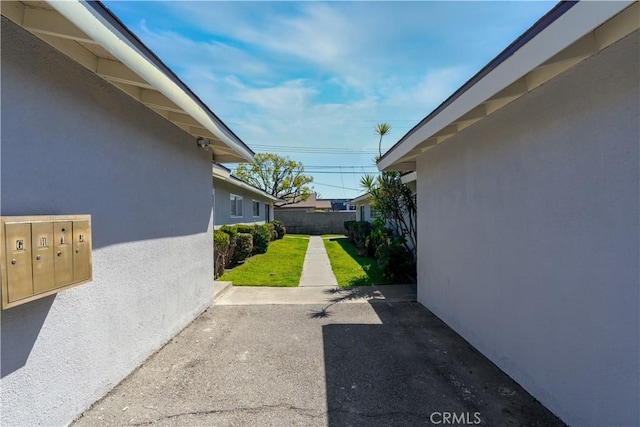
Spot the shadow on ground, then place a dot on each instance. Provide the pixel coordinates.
(412, 369)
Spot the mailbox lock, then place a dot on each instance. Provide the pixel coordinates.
(38, 257)
(13, 261)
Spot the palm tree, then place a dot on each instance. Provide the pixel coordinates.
(381, 129)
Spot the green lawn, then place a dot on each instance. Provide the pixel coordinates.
(280, 266)
(349, 268)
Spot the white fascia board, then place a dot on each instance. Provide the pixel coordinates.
(578, 21)
(220, 171)
(360, 199)
(103, 33)
(410, 177)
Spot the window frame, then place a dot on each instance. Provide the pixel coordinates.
(255, 203)
(234, 200)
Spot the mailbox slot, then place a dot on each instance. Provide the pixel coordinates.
(43, 255)
(81, 250)
(63, 259)
(18, 250)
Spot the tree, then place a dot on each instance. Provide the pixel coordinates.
(396, 204)
(394, 200)
(381, 129)
(279, 176)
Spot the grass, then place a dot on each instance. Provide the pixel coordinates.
(280, 266)
(349, 268)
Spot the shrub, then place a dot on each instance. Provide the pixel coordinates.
(398, 264)
(280, 229)
(261, 239)
(244, 247)
(221, 247)
(232, 231)
(272, 231)
(357, 232)
(243, 228)
(378, 237)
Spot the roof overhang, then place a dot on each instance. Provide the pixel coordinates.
(221, 173)
(361, 199)
(91, 35)
(568, 34)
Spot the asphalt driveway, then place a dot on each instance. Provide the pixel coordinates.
(360, 364)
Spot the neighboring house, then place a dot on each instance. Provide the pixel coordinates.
(93, 123)
(311, 204)
(363, 208)
(338, 205)
(528, 194)
(238, 202)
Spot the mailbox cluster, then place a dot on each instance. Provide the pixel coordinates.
(43, 255)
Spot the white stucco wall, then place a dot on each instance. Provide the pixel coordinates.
(73, 144)
(223, 191)
(529, 237)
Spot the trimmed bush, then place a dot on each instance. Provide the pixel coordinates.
(261, 239)
(221, 247)
(243, 228)
(232, 231)
(272, 231)
(280, 229)
(244, 247)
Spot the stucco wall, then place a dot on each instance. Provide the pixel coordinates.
(363, 211)
(73, 144)
(223, 192)
(529, 237)
(316, 223)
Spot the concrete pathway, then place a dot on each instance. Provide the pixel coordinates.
(263, 295)
(316, 270)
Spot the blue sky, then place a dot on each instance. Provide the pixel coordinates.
(310, 80)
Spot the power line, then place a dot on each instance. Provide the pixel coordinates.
(337, 186)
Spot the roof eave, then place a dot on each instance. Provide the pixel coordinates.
(555, 43)
(138, 71)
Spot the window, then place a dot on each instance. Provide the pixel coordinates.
(374, 213)
(236, 206)
(256, 208)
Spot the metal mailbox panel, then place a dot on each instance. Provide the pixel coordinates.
(63, 257)
(42, 256)
(81, 251)
(18, 253)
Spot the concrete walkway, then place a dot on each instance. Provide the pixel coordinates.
(328, 295)
(316, 270)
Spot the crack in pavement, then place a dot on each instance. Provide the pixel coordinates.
(302, 411)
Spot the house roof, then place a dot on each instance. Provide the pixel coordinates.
(224, 174)
(566, 35)
(312, 202)
(94, 37)
(361, 199)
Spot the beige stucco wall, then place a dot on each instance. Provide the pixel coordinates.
(529, 238)
(73, 144)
